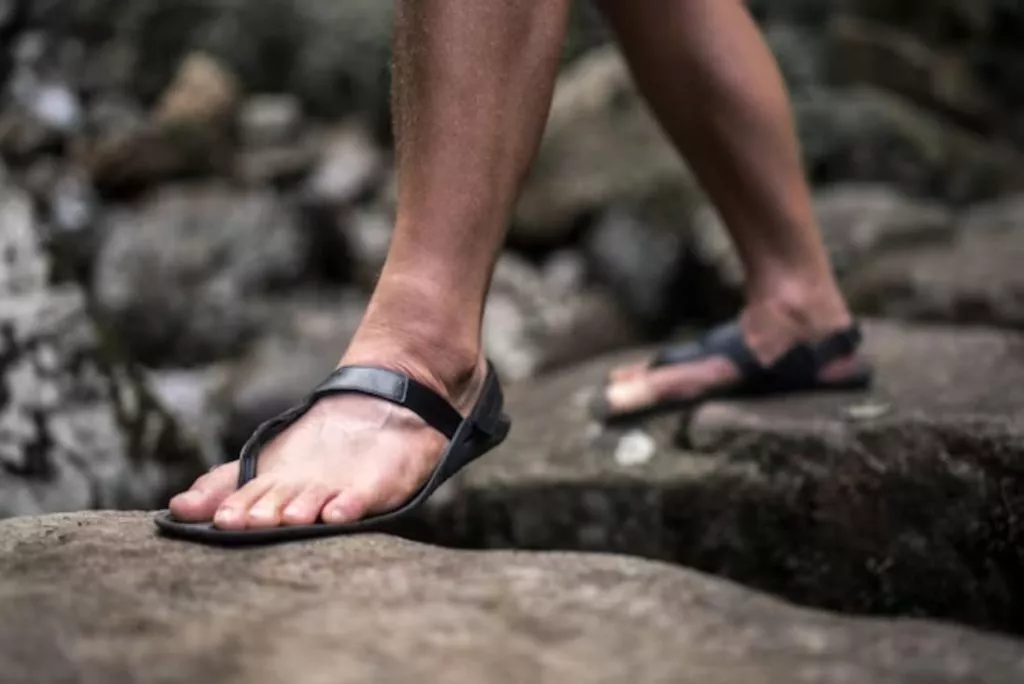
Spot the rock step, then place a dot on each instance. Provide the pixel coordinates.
(906, 500)
(101, 597)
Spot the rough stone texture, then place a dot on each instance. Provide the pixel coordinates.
(101, 598)
(975, 279)
(858, 222)
(78, 427)
(906, 500)
(601, 146)
(180, 273)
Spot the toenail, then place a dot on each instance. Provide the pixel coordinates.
(334, 515)
(187, 497)
(261, 513)
(227, 515)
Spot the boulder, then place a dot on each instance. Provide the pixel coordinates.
(180, 272)
(898, 501)
(858, 222)
(601, 147)
(100, 597)
(975, 278)
(79, 427)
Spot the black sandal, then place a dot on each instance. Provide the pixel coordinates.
(469, 438)
(797, 370)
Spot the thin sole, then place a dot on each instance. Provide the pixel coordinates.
(600, 409)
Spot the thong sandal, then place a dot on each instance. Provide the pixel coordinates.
(797, 370)
(469, 438)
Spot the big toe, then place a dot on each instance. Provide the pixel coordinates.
(201, 500)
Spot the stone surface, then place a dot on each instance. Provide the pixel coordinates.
(79, 428)
(101, 598)
(350, 164)
(186, 134)
(858, 222)
(178, 273)
(903, 500)
(601, 146)
(976, 278)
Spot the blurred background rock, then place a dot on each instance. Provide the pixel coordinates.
(196, 198)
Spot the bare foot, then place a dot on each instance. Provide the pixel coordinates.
(348, 458)
(769, 331)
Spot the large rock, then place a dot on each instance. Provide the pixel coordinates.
(602, 146)
(858, 222)
(975, 279)
(79, 428)
(103, 598)
(903, 500)
(865, 134)
(180, 273)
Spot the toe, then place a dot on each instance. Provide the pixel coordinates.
(349, 506)
(206, 494)
(677, 382)
(305, 508)
(629, 372)
(267, 510)
(233, 513)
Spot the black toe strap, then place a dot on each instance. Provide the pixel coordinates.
(366, 380)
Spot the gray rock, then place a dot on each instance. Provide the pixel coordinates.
(532, 324)
(824, 499)
(858, 222)
(79, 428)
(863, 134)
(366, 234)
(70, 587)
(601, 147)
(350, 164)
(180, 273)
(270, 119)
(974, 279)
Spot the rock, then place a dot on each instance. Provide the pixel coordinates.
(79, 429)
(974, 279)
(333, 56)
(285, 164)
(530, 327)
(187, 134)
(862, 134)
(303, 338)
(105, 598)
(270, 119)
(181, 272)
(858, 221)
(601, 147)
(912, 513)
(641, 257)
(350, 164)
(867, 52)
(366, 234)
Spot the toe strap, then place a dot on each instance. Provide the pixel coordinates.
(372, 381)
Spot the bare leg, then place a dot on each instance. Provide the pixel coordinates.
(472, 87)
(717, 91)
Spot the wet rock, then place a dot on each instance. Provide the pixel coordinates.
(601, 147)
(71, 584)
(270, 119)
(975, 278)
(79, 428)
(303, 338)
(179, 273)
(187, 134)
(909, 511)
(858, 222)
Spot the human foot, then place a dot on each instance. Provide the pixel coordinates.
(769, 330)
(348, 458)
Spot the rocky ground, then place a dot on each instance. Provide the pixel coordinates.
(195, 200)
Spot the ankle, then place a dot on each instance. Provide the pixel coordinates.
(814, 304)
(411, 330)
